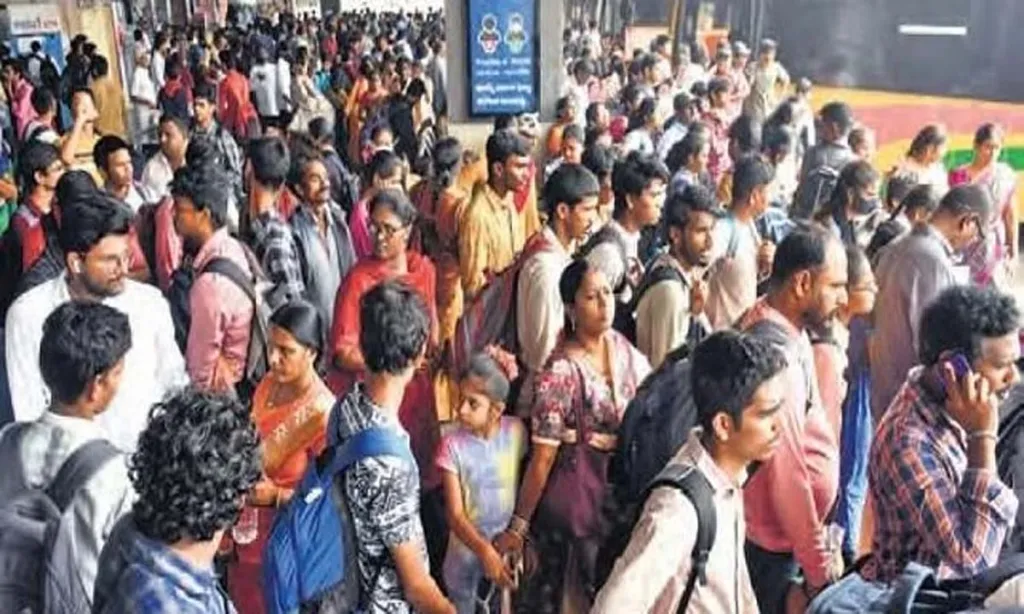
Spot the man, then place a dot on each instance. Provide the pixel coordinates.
(789, 497)
(743, 258)
(570, 196)
(221, 311)
(161, 47)
(159, 557)
(670, 310)
(578, 89)
(113, 157)
(76, 146)
(938, 497)
(640, 182)
(492, 232)
(19, 93)
(768, 79)
(321, 234)
(94, 237)
(263, 79)
(272, 240)
(833, 149)
(34, 63)
(685, 108)
(718, 120)
(206, 128)
(284, 86)
(234, 104)
(39, 170)
(159, 171)
(383, 492)
(42, 127)
(738, 390)
(82, 361)
(911, 273)
(109, 99)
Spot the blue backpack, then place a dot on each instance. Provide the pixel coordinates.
(309, 562)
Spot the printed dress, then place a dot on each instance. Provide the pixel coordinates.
(488, 472)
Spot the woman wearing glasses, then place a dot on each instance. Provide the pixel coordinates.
(390, 223)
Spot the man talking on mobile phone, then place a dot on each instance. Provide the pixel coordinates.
(938, 497)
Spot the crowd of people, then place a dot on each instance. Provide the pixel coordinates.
(306, 255)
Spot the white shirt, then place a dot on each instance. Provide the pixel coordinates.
(581, 100)
(153, 366)
(96, 507)
(539, 310)
(156, 177)
(284, 85)
(157, 66)
(263, 80)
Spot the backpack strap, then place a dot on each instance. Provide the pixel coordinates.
(695, 486)
(655, 276)
(377, 441)
(79, 469)
(233, 272)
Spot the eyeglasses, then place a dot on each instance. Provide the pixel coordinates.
(384, 230)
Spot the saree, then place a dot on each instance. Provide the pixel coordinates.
(986, 254)
(417, 413)
(291, 433)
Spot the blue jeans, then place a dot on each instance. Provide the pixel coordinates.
(771, 574)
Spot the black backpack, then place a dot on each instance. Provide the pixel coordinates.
(814, 190)
(695, 487)
(260, 292)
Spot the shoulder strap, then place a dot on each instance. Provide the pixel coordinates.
(78, 469)
(232, 271)
(698, 490)
(655, 276)
(377, 441)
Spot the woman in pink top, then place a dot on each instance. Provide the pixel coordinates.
(385, 171)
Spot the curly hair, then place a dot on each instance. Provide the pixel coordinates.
(961, 317)
(196, 460)
(728, 368)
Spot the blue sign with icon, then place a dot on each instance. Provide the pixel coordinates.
(503, 58)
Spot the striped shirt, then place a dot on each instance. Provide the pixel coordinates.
(930, 507)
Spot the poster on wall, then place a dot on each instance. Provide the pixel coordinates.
(503, 58)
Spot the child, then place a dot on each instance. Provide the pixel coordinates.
(480, 465)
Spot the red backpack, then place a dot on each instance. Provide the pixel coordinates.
(490, 318)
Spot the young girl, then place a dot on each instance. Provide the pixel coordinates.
(480, 467)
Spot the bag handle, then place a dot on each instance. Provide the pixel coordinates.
(234, 273)
(77, 469)
(376, 441)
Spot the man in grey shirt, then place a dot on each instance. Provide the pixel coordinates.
(832, 150)
(911, 274)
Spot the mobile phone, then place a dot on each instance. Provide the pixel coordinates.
(960, 368)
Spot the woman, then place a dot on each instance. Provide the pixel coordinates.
(580, 398)
(385, 171)
(391, 219)
(991, 256)
(642, 131)
(290, 409)
(565, 115)
(144, 102)
(924, 158)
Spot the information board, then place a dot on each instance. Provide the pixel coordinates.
(503, 58)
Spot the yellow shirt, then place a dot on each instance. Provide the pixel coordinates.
(490, 236)
(110, 106)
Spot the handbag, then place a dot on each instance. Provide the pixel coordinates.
(574, 497)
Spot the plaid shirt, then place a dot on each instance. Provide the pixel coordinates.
(138, 574)
(930, 507)
(274, 245)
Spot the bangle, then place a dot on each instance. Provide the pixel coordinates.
(519, 526)
(983, 435)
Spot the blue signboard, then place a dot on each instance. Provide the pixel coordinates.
(503, 62)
